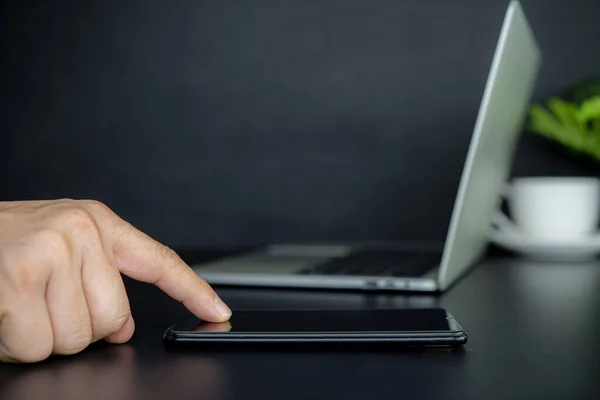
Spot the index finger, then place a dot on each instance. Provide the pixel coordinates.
(144, 259)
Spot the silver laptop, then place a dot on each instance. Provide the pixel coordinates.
(411, 266)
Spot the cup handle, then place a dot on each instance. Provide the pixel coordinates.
(502, 222)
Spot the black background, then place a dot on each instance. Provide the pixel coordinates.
(226, 123)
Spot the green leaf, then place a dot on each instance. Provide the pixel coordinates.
(589, 110)
(543, 122)
(595, 127)
(574, 125)
(566, 112)
(546, 124)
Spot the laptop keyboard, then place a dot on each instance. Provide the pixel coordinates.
(378, 263)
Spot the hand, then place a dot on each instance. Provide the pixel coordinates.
(60, 282)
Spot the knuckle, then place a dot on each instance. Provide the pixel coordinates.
(31, 354)
(78, 219)
(41, 354)
(26, 274)
(34, 357)
(27, 277)
(75, 342)
(51, 241)
(168, 253)
(28, 268)
(115, 322)
(172, 262)
(97, 207)
(111, 317)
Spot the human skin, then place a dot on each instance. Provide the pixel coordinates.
(60, 278)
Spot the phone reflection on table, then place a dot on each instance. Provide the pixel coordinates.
(216, 327)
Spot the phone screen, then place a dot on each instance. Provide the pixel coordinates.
(302, 321)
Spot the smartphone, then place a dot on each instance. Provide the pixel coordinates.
(413, 327)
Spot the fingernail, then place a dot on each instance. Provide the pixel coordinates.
(222, 308)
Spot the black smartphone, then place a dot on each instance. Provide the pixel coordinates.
(413, 327)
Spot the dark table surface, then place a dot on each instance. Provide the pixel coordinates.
(534, 332)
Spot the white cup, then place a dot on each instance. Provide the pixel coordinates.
(551, 208)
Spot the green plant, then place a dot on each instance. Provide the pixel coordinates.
(574, 125)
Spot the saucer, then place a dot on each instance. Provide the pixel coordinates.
(551, 250)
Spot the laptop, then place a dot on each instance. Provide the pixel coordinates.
(409, 266)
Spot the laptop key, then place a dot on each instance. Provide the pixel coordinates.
(377, 263)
